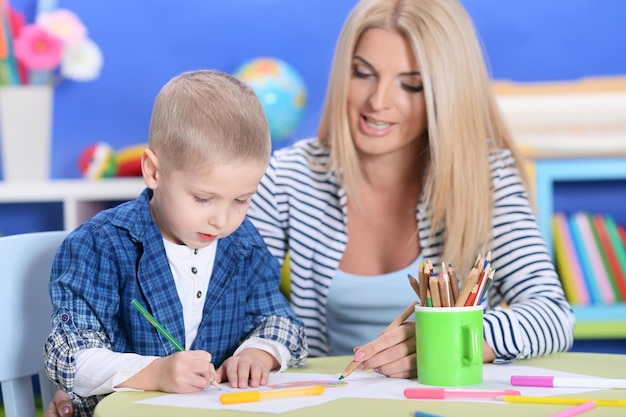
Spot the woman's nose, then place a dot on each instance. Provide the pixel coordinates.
(380, 97)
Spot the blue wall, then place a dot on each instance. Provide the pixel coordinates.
(145, 43)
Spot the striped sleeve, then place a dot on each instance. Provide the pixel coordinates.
(526, 314)
(298, 209)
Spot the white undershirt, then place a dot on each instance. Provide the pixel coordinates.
(99, 370)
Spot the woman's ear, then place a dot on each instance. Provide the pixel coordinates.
(150, 169)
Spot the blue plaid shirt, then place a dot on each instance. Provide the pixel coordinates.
(119, 255)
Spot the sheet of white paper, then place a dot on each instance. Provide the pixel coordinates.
(357, 385)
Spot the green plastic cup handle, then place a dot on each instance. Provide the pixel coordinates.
(470, 348)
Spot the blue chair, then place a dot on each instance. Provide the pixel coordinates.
(25, 308)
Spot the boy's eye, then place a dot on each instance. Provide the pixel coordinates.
(242, 201)
(201, 200)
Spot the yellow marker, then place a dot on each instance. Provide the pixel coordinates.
(600, 402)
(253, 396)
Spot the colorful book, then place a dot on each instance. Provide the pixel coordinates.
(620, 249)
(568, 265)
(585, 225)
(622, 233)
(585, 260)
(609, 256)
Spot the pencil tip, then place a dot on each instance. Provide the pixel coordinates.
(341, 377)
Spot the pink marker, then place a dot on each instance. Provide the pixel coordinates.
(553, 381)
(443, 393)
(574, 411)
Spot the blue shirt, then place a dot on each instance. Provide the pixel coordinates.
(118, 256)
(359, 308)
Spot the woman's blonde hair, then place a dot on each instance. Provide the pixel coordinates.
(206, 117)
(464, 122)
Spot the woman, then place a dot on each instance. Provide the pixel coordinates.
(413, 160)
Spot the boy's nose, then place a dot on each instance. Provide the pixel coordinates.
(218, 219)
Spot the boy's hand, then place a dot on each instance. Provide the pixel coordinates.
(251, 367)
(60, 406)
(181, 372)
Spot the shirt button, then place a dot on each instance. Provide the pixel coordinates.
(65, 317)
(199, 294)
(195, 251)
(194, 270)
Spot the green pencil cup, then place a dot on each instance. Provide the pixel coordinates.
(449, 345)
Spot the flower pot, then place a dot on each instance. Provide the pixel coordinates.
(26, 132)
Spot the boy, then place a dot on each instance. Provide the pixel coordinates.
(185, 251)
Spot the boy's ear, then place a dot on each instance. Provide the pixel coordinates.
(150, 168)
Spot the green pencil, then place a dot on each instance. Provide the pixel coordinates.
(164, 332)
(157, 325)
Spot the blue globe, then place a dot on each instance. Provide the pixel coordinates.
(280, 90)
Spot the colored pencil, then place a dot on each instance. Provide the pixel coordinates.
(449, 299)
(454, 283)
(425, 414)
(434, 291)
(482, 281)
(467, 288)
(423, 282)
(472, 296)
(416, 287)
(487, 285)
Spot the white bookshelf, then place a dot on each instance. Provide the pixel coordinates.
(81, 198)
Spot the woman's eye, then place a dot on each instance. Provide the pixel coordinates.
(360, 74)
(413, 88)
(201, 200)
(244, 201)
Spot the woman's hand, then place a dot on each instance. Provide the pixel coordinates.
(391, 354)
(488, 354)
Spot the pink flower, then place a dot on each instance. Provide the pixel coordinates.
(37, 49)
(64, 24)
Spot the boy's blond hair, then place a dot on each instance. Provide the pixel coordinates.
(206, 117)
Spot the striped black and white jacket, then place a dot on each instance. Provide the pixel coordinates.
(300, 209)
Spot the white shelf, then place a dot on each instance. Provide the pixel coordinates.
(81, 198)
